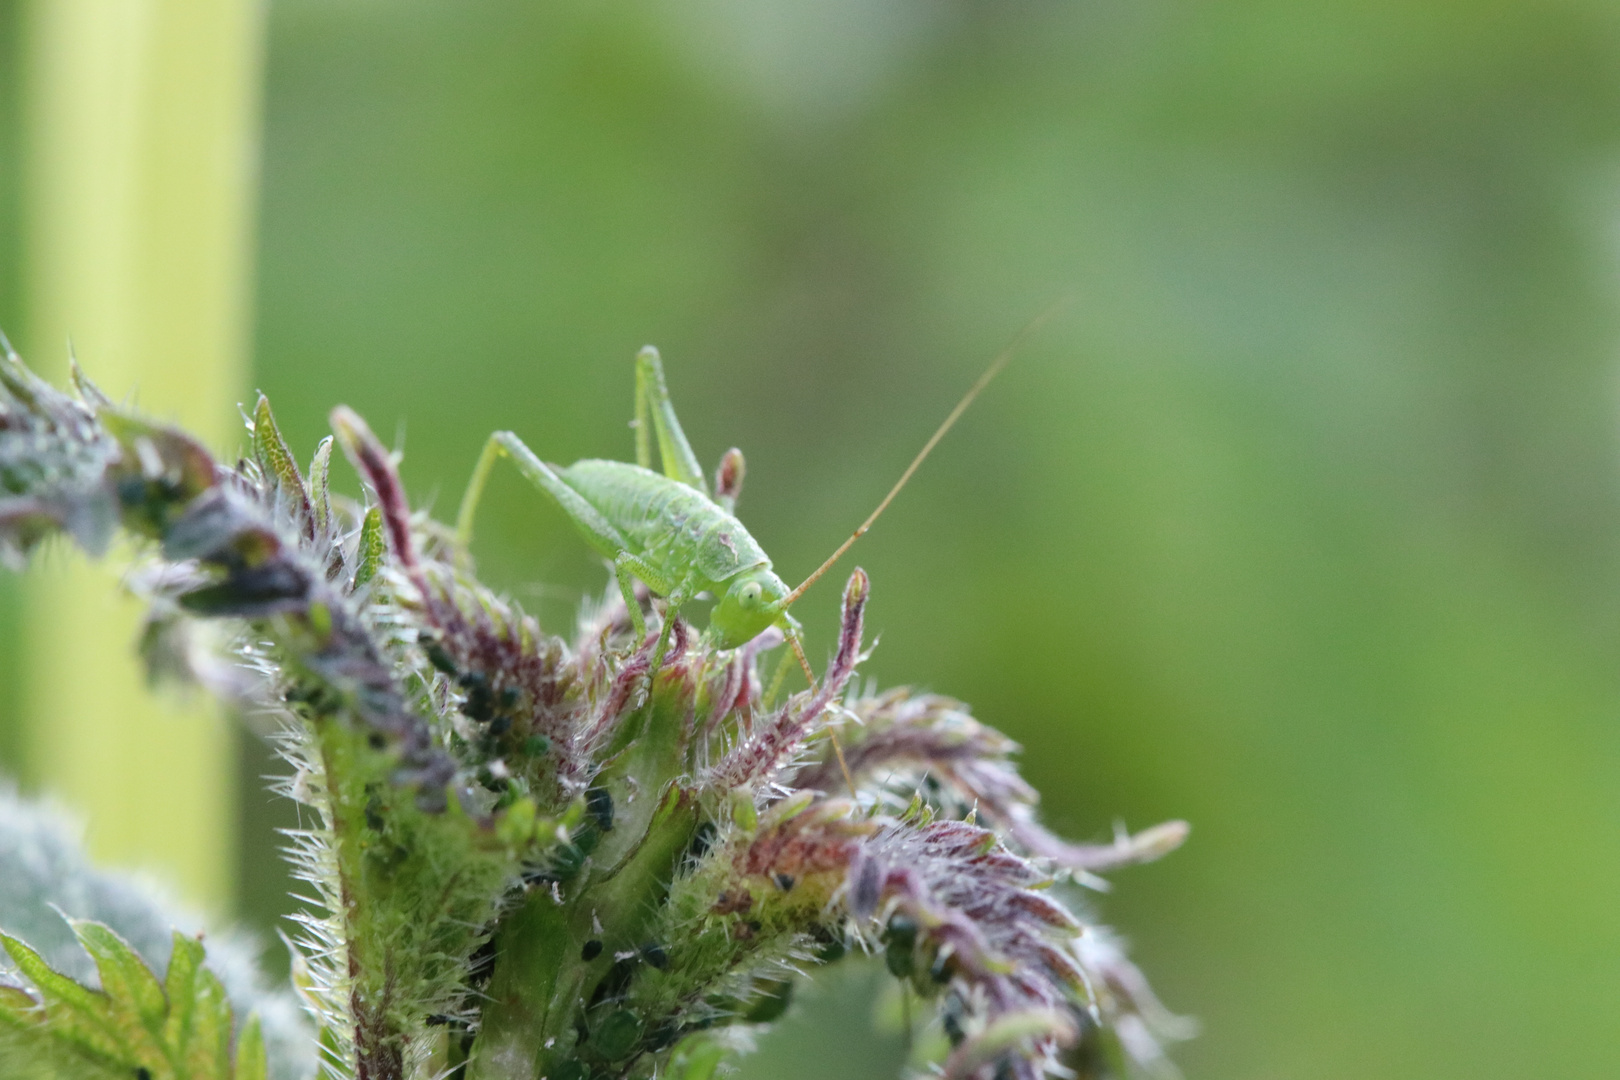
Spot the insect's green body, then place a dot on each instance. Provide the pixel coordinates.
(666, 529)
(662, 528)
(665, 521)
(688, 538)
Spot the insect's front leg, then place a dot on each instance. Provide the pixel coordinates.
(673, 602)
(675, 593)
(793, 632)
(626, 565)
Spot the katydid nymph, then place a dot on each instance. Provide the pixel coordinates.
(668, 531)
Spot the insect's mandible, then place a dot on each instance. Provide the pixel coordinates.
(670, 531)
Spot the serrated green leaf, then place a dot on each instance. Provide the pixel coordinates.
(320, 492)
(180, 985)
(125, 978)
(179, 1029)
(32, 1054)
(131, 1004)
(251, 1063)
(73, 1014)
(373, 547)
(208, 1052)
(37, 971)
(277, 459)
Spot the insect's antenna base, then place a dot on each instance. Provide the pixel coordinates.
(990, 372)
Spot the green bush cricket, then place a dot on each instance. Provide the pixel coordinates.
(668, 531)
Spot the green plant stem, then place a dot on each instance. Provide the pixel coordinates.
(141, 141)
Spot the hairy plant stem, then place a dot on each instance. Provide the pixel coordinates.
(597, 861)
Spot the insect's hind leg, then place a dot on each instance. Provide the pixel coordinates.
(597, 529)
(653, 404)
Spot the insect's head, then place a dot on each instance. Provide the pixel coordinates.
(752, 602)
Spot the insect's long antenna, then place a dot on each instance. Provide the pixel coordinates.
(798, 651)
(843, 765)
(990, 372)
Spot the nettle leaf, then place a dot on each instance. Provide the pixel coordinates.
(373, 547)
(177, 1029)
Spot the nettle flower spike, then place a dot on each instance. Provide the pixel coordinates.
(605, 857)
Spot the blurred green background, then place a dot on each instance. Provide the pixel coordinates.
(1302, 523)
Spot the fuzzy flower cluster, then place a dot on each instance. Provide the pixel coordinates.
(538, 858)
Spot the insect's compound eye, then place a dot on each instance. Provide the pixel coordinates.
(748, 596)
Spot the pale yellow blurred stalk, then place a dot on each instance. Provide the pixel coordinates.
(141, 136)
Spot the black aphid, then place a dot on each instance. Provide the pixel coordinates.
(655, 955)
(599, 806)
